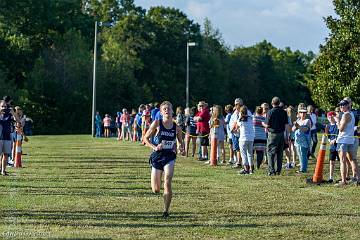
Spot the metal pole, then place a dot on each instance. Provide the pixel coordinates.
(94, 85)
(187, 75)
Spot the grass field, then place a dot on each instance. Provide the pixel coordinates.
(76, 187)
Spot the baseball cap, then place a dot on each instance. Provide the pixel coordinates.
(302, 109)
(343, 103)
(331, 114)
(238, 101)
(201, 103)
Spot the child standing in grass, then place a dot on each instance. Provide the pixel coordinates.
(246, 140)
(332, 130)
(217, 130)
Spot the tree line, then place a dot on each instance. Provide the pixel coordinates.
(46, 56)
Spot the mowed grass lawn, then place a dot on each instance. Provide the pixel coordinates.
(76, 187)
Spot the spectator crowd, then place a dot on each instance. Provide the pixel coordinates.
(254, 139)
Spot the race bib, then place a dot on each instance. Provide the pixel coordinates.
(168, 145)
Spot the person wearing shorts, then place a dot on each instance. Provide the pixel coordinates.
(6, 120)
(107, 123)
(162, 159)
(345, 141)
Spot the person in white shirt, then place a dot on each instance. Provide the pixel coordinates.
(246, 140)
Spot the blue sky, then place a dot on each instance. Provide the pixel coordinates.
(297, 24)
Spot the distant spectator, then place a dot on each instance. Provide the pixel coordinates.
(190, 125)
(28, 126)
(155, 111)
(345, 143)
(138, 122)
(118, 125)
(260, 136)
(203, 129)
(229, 111)
(98, 124)
(313, 130)
(217, 131)
(125, 120)
(246, 140)
(302, 138)
(107, 124)
(6, 120)
(332, 130)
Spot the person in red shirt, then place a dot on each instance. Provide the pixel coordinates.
(203, 129)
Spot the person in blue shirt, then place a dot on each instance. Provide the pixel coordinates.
(155, 111)
(138, 122)
(158, 116)
(332, 130)
(118, 125)
(98, 123)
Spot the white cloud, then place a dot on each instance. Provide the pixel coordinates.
(198, 10)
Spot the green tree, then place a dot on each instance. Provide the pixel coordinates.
(210, 61)
(164, 70)
(59, 87)
(336, 71)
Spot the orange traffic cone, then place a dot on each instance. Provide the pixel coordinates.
(318, 174)
(213, 152)
(18, 151)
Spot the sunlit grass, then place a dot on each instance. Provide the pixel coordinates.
(76, 187)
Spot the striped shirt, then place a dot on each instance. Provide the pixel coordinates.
(258, 127)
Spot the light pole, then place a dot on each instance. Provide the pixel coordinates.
(188, 44)
(107, 24)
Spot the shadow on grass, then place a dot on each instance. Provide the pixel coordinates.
(292, 214)
(88, 215)
(73, 187)
(80, 238)
(92, 167)
(86, 158)
(98, 219)
(93, 160)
